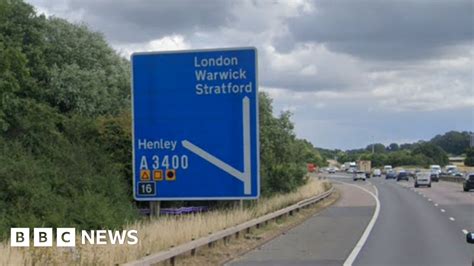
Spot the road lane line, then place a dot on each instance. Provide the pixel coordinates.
(465, 231)
(452, 219)
(360, 244)
(436, 204)
(429, 199)
(443, 210)
(376, 190)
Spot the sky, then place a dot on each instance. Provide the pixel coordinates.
(352, 72)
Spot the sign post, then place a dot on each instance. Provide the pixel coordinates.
(195, 125)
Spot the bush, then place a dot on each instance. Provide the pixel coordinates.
(469, 160)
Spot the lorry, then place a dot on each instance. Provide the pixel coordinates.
(365, 166)
(349, 167)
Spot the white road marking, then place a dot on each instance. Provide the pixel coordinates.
(443, 210)
(436, 204)
(465, 231)
(360, 244)
(452, 219)
(429, 199)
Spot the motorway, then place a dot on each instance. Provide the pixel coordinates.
(379, 222)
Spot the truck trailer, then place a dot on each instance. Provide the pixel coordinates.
(365, 166)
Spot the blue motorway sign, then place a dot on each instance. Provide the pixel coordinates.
(195, 125)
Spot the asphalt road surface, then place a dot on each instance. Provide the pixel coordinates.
(423, 226)
(411, 230)
(325, 239)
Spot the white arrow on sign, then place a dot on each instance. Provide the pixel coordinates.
(242, 176)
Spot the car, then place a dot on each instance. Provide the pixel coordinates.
(391, 175)
(377, 173)
(450, 168)
(402, 175)
(468, 184)
(423, 179)
(434, 177)
(358, 175)
(456, 174)
(332, 170)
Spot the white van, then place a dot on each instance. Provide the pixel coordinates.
(387, 169)
(435, 169)
(377, 172)
(423, 179)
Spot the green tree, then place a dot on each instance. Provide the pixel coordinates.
(377, 147)
(452, 142)
(469, 160)
(434, 153)
(62, 164)
(283, 157)
(393, 147)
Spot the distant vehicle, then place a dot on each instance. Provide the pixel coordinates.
(423, 179)
(364, 166)
(434, 177)
(358, 175)
(391, 175)
(435, 168)
(468, 184)
(470, 237)
(402, 175)
(332, 170)
(377, 173)
(349, 166)
(456, 174)
(450, 169)
(387, 168)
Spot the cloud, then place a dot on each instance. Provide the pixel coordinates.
(310, 67)
(352, 72)
(142, 20)
(386, 30)
(167, 43)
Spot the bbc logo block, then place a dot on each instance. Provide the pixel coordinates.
(20, 237)
(43, 237)
(66, 237)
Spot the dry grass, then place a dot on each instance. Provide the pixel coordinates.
(156, 234)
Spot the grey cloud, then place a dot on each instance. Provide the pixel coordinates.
(387, 30)
(142, 20)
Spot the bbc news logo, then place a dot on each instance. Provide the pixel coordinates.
(66, 237)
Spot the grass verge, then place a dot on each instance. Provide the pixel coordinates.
(156, 234)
